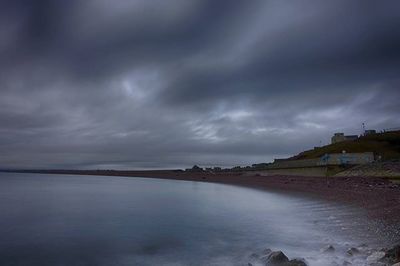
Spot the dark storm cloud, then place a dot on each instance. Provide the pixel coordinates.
(142, 84)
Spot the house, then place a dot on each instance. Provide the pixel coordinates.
(339, 137)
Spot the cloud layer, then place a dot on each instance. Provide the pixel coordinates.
(164, 84)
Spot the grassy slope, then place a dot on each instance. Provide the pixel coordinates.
(385, 144)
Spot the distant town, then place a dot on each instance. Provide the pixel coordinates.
(344, 152)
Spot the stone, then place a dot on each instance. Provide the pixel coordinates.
(277, 258)
(352, 251)
(346, 263)
(375, 257)
(396, 264)
(328, 249)
(393, 254)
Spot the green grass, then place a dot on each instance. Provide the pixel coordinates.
(385, 144)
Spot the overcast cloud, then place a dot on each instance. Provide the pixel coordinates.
(165, 84)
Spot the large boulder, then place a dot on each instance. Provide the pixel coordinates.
(277, 258)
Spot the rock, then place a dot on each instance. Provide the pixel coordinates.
(328, 249)
(376, 257)
(296, 262)
(277, 258)
(385, 256)
(352, 251)
(393, 254)
(397, 264)
(346, 263)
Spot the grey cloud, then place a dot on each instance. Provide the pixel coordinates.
(100, 84)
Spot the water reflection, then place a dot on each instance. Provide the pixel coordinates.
(88, 220)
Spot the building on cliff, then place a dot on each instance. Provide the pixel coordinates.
(339, 137)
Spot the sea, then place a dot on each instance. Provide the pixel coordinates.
(48, 219)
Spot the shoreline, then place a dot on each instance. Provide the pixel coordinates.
(379, 197)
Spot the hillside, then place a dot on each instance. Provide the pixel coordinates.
(385, 144)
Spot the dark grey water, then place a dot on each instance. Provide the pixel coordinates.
(91, 220)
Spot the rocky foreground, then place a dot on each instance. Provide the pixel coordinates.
(390, 169)
(362, 255)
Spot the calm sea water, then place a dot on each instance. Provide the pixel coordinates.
(93, 220)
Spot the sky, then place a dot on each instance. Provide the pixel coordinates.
(96, 84)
